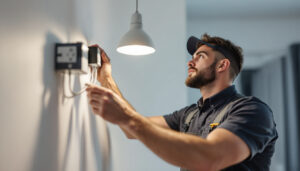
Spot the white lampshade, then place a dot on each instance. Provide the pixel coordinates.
(136, 41)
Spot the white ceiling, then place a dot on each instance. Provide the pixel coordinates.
(242, 8)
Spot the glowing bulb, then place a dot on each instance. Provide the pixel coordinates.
(136, 50)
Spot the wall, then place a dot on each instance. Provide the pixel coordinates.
(266, 81)
(153, 84)
(258, 36)
(41, 130)
(262, 38)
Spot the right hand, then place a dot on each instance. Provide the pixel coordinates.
(104, 71)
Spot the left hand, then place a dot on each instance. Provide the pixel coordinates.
(104, 71)
(108, 105)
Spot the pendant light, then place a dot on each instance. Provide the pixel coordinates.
(136, 41)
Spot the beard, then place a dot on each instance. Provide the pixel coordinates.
(202, 77)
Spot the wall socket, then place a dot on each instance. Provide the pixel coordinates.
(71, 56)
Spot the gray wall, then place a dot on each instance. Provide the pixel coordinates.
(268, 84)
(41, 130)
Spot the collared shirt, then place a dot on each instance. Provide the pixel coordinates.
(249, 118)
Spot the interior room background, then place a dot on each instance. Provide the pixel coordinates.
(42, 130)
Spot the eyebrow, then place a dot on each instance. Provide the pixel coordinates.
(197, 53)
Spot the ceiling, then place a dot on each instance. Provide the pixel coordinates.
(242, 8)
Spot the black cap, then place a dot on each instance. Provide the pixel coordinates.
(193, 43)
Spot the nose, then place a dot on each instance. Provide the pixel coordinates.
(191, 63)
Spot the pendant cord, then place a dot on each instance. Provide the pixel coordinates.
(136, 7)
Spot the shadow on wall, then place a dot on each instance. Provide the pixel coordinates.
(46, 148)
(104, 141)
(86, 131)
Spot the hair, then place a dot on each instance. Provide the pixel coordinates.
(236, 51)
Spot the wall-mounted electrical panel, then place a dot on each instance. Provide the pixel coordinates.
(71, 56)
(74, 58)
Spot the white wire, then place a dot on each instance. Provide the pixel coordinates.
(70, 88)
(93, 80)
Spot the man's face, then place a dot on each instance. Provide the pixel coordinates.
(202, 68)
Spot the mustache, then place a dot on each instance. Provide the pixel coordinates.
(192, 68)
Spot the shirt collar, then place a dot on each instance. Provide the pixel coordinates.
(218, 98)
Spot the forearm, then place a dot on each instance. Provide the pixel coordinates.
(111, 84)
(180, 149)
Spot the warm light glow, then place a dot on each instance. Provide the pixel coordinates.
(136, 50)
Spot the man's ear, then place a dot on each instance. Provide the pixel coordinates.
(223, 65)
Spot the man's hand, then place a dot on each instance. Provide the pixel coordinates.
(108, 105)
(104, 71)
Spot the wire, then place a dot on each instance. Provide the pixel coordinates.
(70, 88)
(136, 6)
(93, 78)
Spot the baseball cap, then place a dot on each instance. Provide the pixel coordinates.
(192, 46)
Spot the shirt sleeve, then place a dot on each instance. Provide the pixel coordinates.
(174, 119)
(252, 120)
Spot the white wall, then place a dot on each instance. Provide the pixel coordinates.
(153, 84)
(39, 129)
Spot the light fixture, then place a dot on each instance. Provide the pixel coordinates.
(136, 41)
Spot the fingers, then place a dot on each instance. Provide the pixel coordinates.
(104, 57)
(96, 110)
(94, 102)
(96, 96)
(92, 88)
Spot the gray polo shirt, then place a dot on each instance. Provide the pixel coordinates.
(249, 118)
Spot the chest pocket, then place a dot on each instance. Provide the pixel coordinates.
(206, 130)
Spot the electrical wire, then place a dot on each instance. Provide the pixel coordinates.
(93, 80)
(70, 87)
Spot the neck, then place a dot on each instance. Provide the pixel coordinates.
(212, 89)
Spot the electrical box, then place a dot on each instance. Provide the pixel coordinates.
(71, 56)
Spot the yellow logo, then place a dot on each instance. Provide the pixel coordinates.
(213, 125)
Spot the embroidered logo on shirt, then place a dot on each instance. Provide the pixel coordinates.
(213, 125)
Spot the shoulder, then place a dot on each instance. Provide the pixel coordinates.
(252, 120)
(252, 108)
(250, 103)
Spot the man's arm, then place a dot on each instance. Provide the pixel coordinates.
(107, 81)
(219, 150)
(157, 120)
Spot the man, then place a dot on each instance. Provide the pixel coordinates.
(223, 130)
